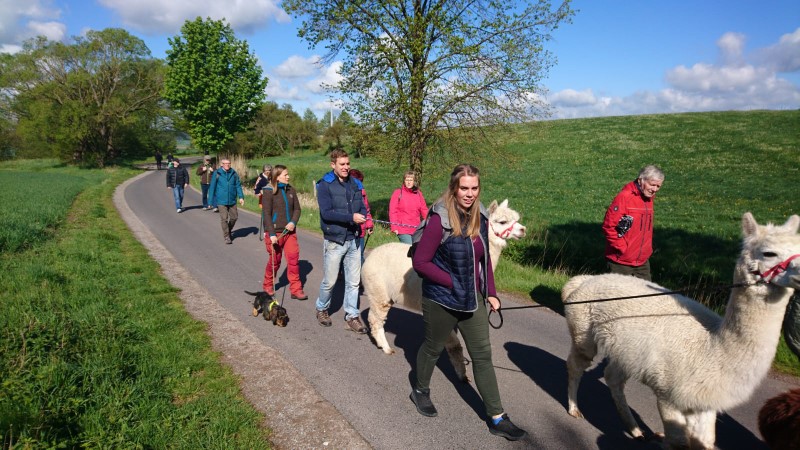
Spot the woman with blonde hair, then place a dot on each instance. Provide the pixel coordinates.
(407, 208)
(281, 212)
(457, 282)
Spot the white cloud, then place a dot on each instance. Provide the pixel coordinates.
(329, 77)
(276, 91)
(23, 20)
(783, 56)
(299, 67)
(54, 31)
(160, 17)
(737, 82)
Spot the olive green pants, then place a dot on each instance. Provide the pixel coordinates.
(474, 328)
(642, 271)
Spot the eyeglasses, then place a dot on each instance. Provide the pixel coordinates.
(226, 164)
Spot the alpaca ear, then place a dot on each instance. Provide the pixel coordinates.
(493, 206)
(749, 225)
(504, 204)
(792, 224)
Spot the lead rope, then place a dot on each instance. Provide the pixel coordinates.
(612, 299)
(763, 278)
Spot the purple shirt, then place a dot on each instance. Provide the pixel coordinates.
(426, 249)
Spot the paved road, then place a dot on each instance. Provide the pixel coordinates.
(371, 389)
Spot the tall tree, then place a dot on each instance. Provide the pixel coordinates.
(426, 69)
(214, 81)
(72, 99)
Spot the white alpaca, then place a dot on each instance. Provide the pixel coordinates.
(696, 362)
(388, 278)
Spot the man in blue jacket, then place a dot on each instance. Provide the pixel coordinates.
(341, 213)
(223, 191)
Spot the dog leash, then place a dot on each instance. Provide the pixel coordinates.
(612, 299)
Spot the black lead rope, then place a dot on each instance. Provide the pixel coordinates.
(600, 300)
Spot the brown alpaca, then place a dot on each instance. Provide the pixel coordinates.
(779, 421)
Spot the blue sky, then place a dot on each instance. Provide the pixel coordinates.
(618, 57)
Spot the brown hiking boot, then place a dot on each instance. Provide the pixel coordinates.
(323, 318)
(355, 324)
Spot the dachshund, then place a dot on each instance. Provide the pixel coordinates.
(269, 307)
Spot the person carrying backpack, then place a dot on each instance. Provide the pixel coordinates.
(457, 282)
(225, 188)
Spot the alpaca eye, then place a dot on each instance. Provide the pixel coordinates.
(770, 254)
(502, 222)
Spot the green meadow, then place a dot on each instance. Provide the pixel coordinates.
(96, 349)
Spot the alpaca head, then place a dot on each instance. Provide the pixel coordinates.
(504, 223)
(772, 252)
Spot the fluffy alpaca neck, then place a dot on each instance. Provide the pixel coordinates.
(749, 333)
(496, 246)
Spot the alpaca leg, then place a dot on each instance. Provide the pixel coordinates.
(577, 363)
(615, 378)
(377, 318)
(456, 353)
(701, 429)
(674, 423)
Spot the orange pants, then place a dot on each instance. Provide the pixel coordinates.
(286, 244)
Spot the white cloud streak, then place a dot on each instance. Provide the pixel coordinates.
(736, 82)
(160, 17)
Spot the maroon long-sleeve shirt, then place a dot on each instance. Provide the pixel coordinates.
(426, 249)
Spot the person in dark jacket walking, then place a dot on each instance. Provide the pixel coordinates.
(341, 213)
(225, 188)
(281, 212)
(628, 225)
(177, 180)
(204, 171)
(159, 158)
(457, 281)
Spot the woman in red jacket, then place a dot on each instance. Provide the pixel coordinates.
(407, 208)
(628, 225)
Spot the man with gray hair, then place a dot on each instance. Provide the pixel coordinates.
(223, 191)
(628, 225)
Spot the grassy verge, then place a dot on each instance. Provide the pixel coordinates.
(96, 349)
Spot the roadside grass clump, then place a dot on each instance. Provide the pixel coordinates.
(96, 349)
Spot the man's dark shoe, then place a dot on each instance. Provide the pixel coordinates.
(422, 399)
(355, 324)
(506, 429)
(323, 318)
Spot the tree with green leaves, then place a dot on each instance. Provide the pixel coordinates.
(213, 81)
(72, 100)
(432, 70)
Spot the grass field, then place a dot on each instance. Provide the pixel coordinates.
(561, 176)
(96, 349)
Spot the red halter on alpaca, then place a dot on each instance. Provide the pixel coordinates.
(777, 269)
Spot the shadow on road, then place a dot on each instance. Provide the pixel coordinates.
(549, 373)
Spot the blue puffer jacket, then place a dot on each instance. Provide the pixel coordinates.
(225, 187)
(456, 256)
(338, 201)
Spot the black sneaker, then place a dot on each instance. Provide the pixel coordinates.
(422, 400)
(506, 429)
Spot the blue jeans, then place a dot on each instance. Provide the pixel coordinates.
(204, 189)
(333, 255)
(404, 238)
(177, 194)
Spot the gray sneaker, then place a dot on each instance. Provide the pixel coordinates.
(355, 324)
(323, 318)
